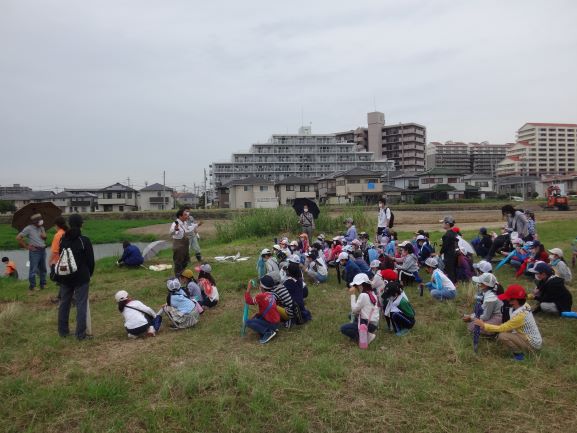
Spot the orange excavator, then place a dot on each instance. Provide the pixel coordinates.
(555, 199)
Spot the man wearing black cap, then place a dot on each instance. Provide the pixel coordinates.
(75, 283)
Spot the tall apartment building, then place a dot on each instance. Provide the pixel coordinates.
(541, 149)
(304, 155)
(403, 143)
(476, 158)
(14, 189)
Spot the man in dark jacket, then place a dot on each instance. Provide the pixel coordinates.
(551, 293)
(131, 257)
(449, 248)
(75, 283)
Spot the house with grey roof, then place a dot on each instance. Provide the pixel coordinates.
(117, 198)
(155, 197)
(77, 201)
(247, 193)
(293, 187)
(23, 198)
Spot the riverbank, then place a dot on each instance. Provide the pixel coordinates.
(309, 378)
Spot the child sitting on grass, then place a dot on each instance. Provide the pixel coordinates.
(440, 286)
(559, 266)
(10, 270)
(409, 265)
(491, 304)
(267, 321)
(188, 283)
(399, 312)
(181, 310)
(364, 308)
(207, 285)
(520, 334)
(138, 318)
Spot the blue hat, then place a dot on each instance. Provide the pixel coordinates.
(541, 267)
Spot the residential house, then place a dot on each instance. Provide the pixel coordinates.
(327, 188)
(485, 183)
(78, 201)
(566, 182)
(292, 187)
(117, 198)
(358, 185)
(155, 197)
(186, 198)
(21, 199)
(250, 192)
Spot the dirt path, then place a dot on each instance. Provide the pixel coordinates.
(207, 229)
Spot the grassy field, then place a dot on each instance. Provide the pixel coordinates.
(209, 379)
(99, 231)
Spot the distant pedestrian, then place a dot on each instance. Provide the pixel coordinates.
(131, 257)
(180, 231)
(36, 246)
(449, 246)
(10, 270)
(384, 217)
(77, 282)
(307, 222)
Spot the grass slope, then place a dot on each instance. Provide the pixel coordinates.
(99, 231)
(208, 379)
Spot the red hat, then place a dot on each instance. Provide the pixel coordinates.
(456, 230)
(389, 275)
(514, 291)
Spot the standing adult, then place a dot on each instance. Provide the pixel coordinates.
(449, 246)
(307, 221)
(36, 246)
(180, 231)
(194, 236)
(516, 222)
(61, 228)
(383, 219)
(76, 283)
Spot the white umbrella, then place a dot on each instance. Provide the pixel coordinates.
(466, 246)
(153, 249)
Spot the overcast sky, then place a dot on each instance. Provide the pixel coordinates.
(93, 92)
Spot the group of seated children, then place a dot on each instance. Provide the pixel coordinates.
(186, 300)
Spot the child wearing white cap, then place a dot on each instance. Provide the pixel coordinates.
(558, 264)
(492, 306)
(440, 286)
(138, 318)
(365, 308)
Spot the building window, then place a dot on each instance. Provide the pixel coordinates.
(305, 188)
(121, 208)
(453, 180)
(247, 204)
(129, 195)
(108, 195)
(118, 195)
(248, 188)
(353, 181)
(264, 188)
(290, 187)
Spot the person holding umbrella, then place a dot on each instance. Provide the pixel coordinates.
(36, 246)
(307, 221)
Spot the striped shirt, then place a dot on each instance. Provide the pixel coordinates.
(521, 322)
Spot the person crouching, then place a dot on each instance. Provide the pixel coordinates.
(138, 318)
(364, 309)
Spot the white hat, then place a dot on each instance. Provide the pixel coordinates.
(556, 251)
(206, 268)
(486, 279)
(265, 252)
(173, 285)
(121, 295)
(517, 241)
(347, 248)
(484, 266)
(375, 264)
(421, 238)
(360, 279)
(343, 256)
(432, 262)
(356, 242)
(276, 247)
(294, 244)
(294, 258)
(404, 244)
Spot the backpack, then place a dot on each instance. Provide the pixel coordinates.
(392, 219)
(66, 264)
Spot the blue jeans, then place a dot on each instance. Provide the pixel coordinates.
(37, 265)
(81, 293)
(317, 276)
(442, 294)
(351, 330)
(261, 326)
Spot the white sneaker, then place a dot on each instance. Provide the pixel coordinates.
(371, 337)
(133, 337)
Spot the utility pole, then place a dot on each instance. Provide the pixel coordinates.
(163, 187)
(205, 198)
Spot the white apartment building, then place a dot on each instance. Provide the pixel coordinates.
(303, 155)
(541, 149)
(476, 158)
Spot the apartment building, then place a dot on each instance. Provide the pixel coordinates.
(542, 149)
(16, 188)
(477, 158)
(303, 155)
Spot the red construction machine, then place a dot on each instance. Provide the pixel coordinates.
(555, 199)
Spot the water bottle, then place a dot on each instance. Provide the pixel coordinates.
(363, 335)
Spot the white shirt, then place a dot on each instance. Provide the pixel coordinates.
(384, 217)
(134, 319)
(183, 229)
(364, 307)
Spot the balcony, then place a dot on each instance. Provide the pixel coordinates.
(158, 200)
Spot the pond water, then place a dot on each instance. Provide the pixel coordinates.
(20, 257)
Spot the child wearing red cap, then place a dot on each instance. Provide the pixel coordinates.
(520, 333)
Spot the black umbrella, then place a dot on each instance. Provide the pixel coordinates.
(48, 210)
(300, 203)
